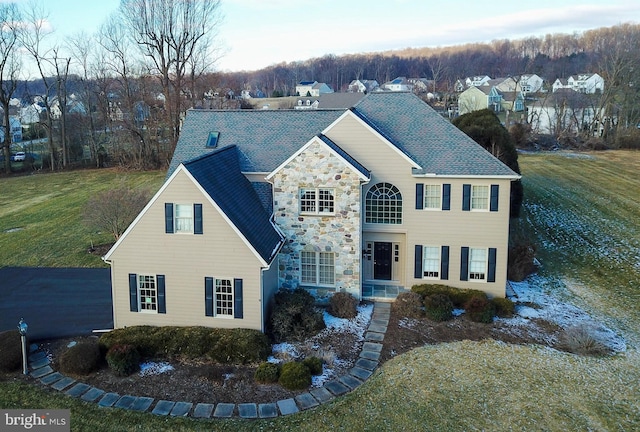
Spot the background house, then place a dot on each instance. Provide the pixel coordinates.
(312, 88)
(583, 83)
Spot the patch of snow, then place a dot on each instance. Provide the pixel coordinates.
(538, 303)
(153, 368)
(291, 351)
(72, 344)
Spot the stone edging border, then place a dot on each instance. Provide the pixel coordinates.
(367, 363)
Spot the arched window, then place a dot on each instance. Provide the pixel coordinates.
(383, 204)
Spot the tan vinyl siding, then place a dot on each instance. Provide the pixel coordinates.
(457, 228)
(454, 228)
(185, 260)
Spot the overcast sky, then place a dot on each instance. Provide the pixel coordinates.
(259, 33)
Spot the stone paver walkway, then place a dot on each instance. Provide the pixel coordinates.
(366, 364)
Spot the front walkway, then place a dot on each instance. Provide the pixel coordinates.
(366, 364)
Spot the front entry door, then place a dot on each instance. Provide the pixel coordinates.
(382, 261)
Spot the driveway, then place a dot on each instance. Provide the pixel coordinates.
(55, 302)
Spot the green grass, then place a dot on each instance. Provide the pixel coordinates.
(41, 216)
(582, 212)
(584, 215)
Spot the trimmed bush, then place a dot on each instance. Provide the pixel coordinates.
(438, 307)
(409, 305)
(81, 359)
(10, 351)
(267, 373)
(520, 262)
(343, 305)
(294, 316)
(480, 309)
(459, 296)
(123, 359)
(228, 346)
(314, 364)
(580, 339)
(294, 376)
(504, 307)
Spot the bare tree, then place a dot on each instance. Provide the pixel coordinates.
(115, 209)
(170, 33)
(33, 41)
(9, 67)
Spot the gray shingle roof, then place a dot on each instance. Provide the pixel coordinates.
(266, 138)
(433, 142)
(219, 175)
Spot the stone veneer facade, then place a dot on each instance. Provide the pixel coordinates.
(318, 167)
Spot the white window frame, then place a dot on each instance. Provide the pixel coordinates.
(480, 203)
(315, 271)
(478, 263)
(223, 300)
(147, 293)
(432, 192)
(322, 203)
(183, 223)
(431, 261)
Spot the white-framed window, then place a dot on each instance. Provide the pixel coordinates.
(183, 216)
(432, 196)
(477, 264)
(147, 294)
(224, 298)
(317, 200)
(480, 197)
(383, 204)
(317, 268)
(431, 262)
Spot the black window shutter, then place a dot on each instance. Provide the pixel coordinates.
(466, 197)
(419, 196)
(162, 304)
(491, 277)
(133, 292)
(464, 263)
(444, 263)
(446, 196)
(237, 298)
(417, 273)
(494, 198)
(197, 218)
(168, 218)
(208, 296)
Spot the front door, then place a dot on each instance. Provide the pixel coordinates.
(382, 260)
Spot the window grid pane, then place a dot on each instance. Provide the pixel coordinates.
(147, 289)
(431, 258)
(184, 218)
(479, 197)
(477, 264)
(224, 297)
(325, 201)
(326, 268)
(307, 201)
(308, 267)
(432, 196)
(383, 204)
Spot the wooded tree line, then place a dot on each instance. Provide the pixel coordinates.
(149, 62)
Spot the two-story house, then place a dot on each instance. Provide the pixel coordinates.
(369, 200)
(362, 86)
(312, 88)
(583, 83)
(400, 84)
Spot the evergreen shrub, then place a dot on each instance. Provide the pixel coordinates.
(343, 305)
